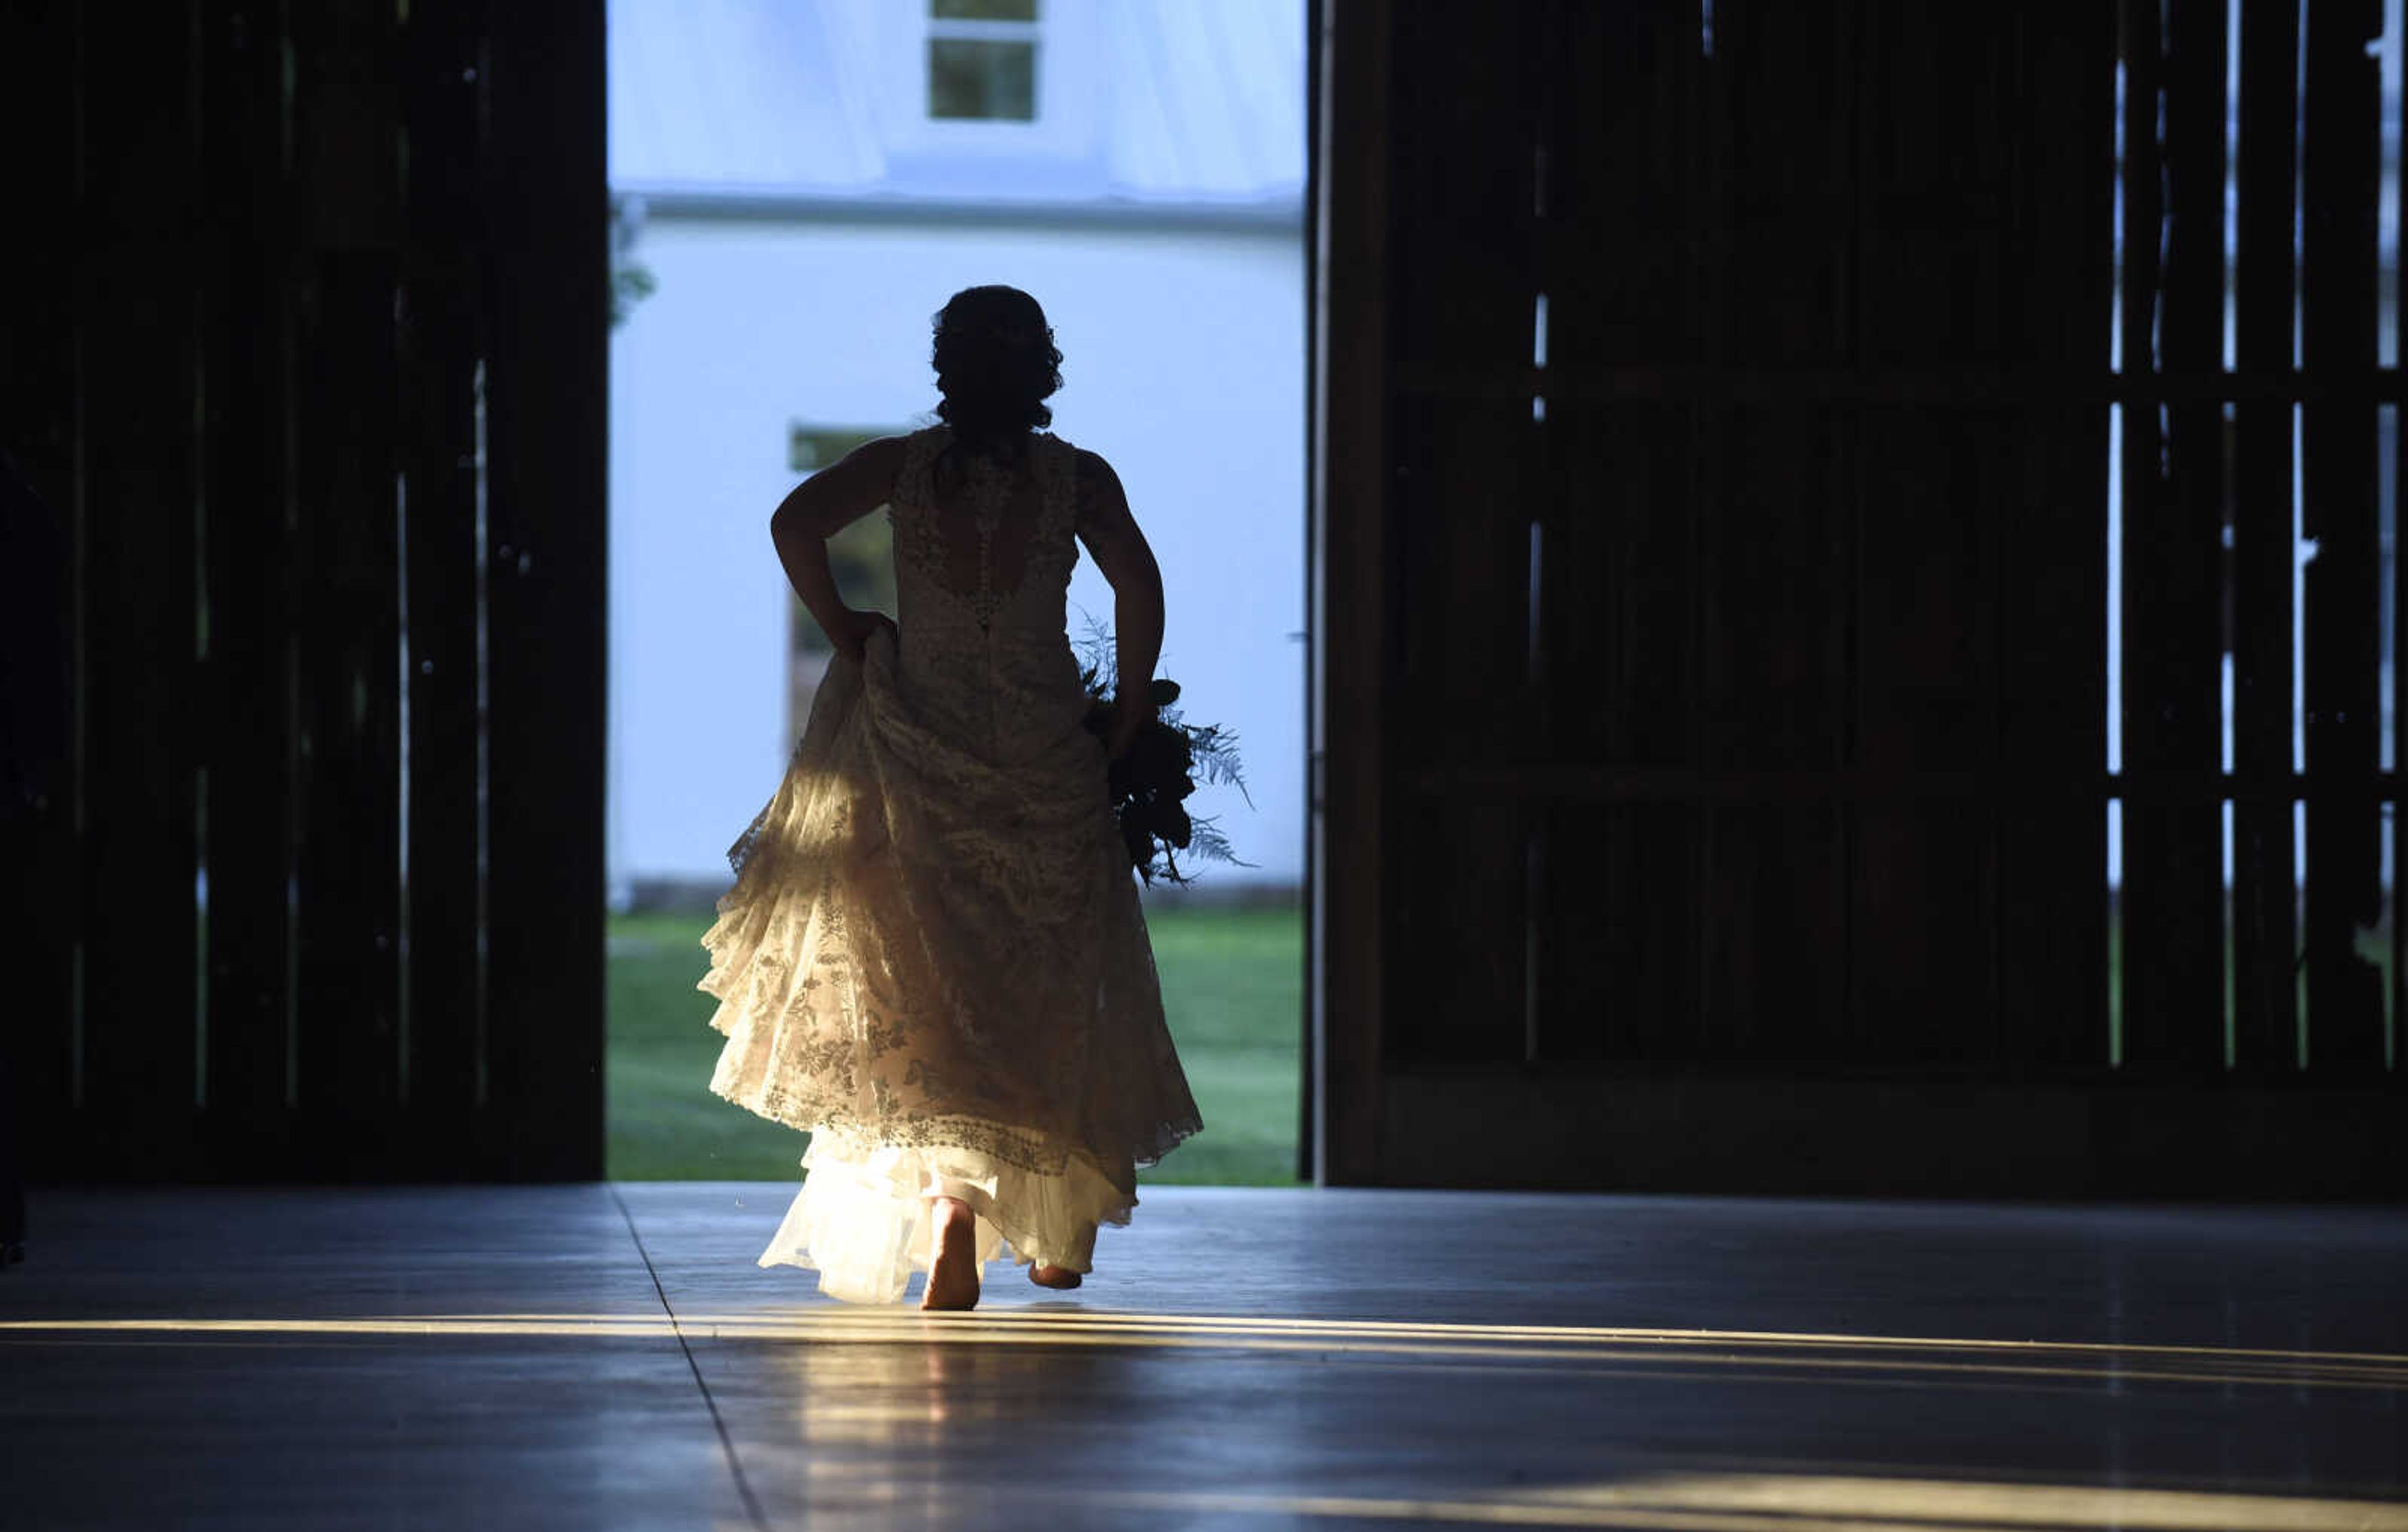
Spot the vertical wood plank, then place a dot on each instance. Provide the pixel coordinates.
(347, 871)
(2339, 174)
(2141, 47)
(2392, 433)
(1778, 529)
(251, 396)
(549, 319)
(37, 863)
(1464, 271)
(1310, 890)
(1627, 135)
(1622, 962)
(2265, 902)
(343, 611)
(442, 347)
(1923, 972)
(1636, 280)
(1926, 161)
(138, 450)
(2174, 968)
(38, 441)
(2051, 572)
(1772, 911)
(1460, 892)
(1351, 642)
(39, 105)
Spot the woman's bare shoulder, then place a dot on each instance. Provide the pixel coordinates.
(877, 463)
(1102, 507)
(886, 451)
(846, 490)
(1095, 473)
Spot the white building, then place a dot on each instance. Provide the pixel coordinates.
(807, 183)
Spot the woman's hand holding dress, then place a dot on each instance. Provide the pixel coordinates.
(851, 634)
(815, 510)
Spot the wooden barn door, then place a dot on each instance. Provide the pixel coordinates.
(306, 346)
(1712, 537)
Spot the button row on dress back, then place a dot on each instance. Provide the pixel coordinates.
(989, 485)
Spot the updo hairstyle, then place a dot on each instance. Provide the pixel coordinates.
(996, 364)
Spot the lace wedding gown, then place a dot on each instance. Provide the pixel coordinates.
(934, 960)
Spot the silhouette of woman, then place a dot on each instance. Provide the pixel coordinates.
(934, 960)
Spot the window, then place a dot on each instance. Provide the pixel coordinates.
(982, 60)
(992, 99)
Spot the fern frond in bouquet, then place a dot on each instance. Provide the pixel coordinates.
(1165, 762)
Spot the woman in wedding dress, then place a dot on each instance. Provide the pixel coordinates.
(934, 960)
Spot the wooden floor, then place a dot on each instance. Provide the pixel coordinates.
(602, 1357)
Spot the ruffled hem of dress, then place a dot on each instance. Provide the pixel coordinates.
(861, 1218)
(1029, 1152)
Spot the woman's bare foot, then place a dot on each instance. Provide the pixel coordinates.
(952, 1265)
(1054, 1276)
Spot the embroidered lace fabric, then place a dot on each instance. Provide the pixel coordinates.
(933, 959)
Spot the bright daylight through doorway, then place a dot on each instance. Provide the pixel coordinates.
(796, 186)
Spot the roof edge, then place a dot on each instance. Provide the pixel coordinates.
(641, 201)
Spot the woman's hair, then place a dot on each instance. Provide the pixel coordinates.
(996, 364)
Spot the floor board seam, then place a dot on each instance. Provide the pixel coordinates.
(727, 1442)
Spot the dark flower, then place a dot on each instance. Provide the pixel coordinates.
(1149, 782)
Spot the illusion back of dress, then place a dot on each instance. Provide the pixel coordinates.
(984, 551)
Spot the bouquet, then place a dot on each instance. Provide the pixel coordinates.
(1150, 784)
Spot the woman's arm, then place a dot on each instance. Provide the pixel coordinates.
(816, 510)
(1121, 552)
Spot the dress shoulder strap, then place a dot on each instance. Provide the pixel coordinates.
(1058, 470)
(911, 478)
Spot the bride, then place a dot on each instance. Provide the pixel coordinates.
(934, 960)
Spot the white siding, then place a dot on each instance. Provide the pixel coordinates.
(1184, 366)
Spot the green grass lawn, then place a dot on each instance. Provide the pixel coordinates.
(1232, 982)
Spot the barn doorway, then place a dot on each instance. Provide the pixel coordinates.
(795, 188)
